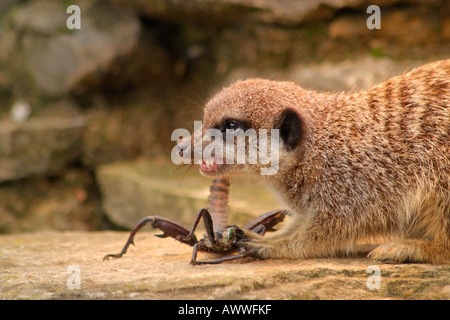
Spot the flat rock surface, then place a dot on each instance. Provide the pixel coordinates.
(49, 265)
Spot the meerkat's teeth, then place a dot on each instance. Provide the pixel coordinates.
(209, 163)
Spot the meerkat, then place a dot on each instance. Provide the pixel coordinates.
(352, 165)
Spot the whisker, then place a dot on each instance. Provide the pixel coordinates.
(183, 175)
(180, 166)
(198, 105)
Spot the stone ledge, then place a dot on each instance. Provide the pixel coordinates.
(34, 266)
(39, 146)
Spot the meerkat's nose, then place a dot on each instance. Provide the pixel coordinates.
(182, 146)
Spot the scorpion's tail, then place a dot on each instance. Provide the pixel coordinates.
(218, 202)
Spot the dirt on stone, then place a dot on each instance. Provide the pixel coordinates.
(46, 265)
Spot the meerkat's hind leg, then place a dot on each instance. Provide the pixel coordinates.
(411, 251)
(426, 231)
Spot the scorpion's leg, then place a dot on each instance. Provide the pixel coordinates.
(238, 235)
(194, 254)
(209, 227)
(169, 228)
(218, 260)
(260, 225)
(266, 222)
(210, 237)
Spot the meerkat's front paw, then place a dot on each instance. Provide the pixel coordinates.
(255, 248)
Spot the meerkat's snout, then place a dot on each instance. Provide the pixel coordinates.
(191, 150)
(182, 146)
(245, 133)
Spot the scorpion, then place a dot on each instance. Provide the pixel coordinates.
(220, 237)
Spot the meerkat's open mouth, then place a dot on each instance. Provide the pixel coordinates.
(211, 166)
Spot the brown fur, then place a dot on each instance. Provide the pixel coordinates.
(370, 163)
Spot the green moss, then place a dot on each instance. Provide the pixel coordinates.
(377, 52)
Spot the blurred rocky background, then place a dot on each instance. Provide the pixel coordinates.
(86, 115)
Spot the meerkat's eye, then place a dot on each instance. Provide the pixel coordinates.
(231, 125)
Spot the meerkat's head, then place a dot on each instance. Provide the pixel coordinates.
(258, 120)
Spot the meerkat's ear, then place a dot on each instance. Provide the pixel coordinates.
(290, 126)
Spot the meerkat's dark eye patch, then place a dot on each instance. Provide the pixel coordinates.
(290, 126)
